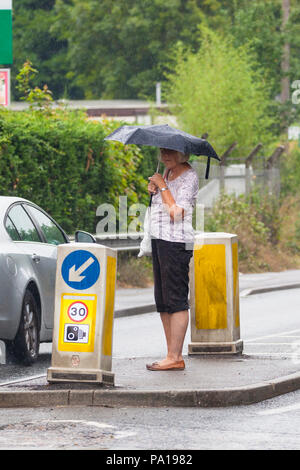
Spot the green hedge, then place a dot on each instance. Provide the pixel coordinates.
(59, 160)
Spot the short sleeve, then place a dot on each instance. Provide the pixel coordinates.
(187, 191)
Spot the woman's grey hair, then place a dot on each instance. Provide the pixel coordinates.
(182, 157)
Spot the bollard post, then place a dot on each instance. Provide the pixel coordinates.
(83, 316)
(2, 352)
(214, 295)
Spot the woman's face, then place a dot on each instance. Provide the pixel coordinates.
(169, 158)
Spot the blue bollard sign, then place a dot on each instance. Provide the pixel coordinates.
(80, 269)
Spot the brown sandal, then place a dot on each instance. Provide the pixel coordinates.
(176, 365)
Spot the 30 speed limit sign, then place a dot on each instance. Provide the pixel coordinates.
(78, 311)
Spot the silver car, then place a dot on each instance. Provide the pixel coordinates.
(28, 250)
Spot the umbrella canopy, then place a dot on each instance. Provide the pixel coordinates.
(164, 136)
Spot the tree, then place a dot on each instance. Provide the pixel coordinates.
(221, 90)
(285, 64)
(274, 42)
(119, 49)
(258, 26)
(35, 41)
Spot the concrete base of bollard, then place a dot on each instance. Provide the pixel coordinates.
(55, 375)
(234, 347)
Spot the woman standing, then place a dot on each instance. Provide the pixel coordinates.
(174, 197)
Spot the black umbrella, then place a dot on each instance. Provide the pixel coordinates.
(164, 136)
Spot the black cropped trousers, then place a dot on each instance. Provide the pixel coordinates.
(171, 275)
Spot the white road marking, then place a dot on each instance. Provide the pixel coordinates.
(291, 336)
(32, 377)
(276, 354)
(117, 434)
(275, 344)
(79, 421)
(282, 409)
(122, 434)
(271, 336)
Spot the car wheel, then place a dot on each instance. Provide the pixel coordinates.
(27, 341)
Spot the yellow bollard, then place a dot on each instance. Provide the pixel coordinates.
(83, 316)
(214, 295)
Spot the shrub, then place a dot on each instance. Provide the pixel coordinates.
(59, 160)
(290, 172)
(133, 271)
(290, 223)
(235, 215)
(265, 226)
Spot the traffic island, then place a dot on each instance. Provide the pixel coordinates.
(207, 381)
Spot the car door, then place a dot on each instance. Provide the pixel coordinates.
(52, 236)
(42, 254)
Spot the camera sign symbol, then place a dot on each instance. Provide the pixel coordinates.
(76, 334)
(78, 312)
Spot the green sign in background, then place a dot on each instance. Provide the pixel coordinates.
(6, 54)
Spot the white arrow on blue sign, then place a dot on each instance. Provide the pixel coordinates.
(80, 269)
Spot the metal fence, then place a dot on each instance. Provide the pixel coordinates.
(234, 179)
(239, 176)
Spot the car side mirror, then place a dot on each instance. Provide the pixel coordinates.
(84, 237)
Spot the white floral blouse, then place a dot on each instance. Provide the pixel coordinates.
(184, 190)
